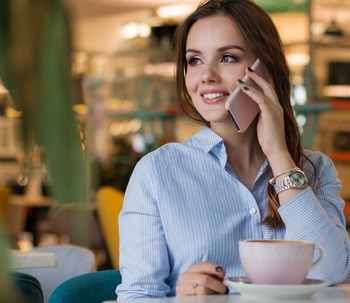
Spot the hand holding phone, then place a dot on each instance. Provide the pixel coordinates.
(240, 106)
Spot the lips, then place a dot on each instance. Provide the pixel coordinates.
(213, 97)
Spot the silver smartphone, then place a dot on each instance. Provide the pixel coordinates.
(240, 106)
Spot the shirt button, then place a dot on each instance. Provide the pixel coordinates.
(252, 211)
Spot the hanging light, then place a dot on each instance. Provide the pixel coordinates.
(175, 10)
(135, 29)
(333, 30)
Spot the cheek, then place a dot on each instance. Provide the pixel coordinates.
(231, 78)
(232, 74)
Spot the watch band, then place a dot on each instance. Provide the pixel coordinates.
(295, 179)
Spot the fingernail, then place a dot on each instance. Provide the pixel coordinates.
(250, 69)
(245, 87)
(219, 269)
(240, 81)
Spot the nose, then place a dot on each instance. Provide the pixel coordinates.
(210, 75)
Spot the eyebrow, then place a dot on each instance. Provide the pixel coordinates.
(224, 48)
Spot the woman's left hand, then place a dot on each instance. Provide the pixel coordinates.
(270, 128)
(202, 279)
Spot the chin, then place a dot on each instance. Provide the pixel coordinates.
(216, 117)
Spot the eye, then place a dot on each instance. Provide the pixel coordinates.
(228, 58)
(194, 61)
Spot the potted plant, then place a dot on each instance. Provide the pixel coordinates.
(35, 55)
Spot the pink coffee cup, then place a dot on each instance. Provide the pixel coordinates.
(277, 262)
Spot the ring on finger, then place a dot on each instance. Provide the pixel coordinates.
(194, 287)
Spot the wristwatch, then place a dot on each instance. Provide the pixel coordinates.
(295, 179)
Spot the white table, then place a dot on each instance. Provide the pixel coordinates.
(32, 259)
(331, 294)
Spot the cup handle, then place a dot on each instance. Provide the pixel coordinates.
(320, 257)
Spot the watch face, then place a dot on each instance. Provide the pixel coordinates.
(298, 178)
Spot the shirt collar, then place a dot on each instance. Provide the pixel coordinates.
(212, 143)
(207, 139)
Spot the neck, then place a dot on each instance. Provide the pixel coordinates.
(244, 153)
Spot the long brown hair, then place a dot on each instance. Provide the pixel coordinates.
(261, 36)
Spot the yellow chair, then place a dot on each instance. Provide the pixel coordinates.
(109, 202)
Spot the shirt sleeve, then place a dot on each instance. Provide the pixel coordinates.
(144, 263)
(316, 214)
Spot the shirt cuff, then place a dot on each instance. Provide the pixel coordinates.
(302, 214)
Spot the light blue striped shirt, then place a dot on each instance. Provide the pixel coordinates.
(184, 205)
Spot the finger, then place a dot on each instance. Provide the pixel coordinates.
(186, 290)
(207, 288)
(253, 93)
(266, 86)
(209, 285)
(190, 289)
(271, 112)
(206, 284)
(266, 105)
(205, 278)
(201, 290)
(212, 269)
(258, 79)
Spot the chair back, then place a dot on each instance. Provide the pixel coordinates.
(95, 287)
(109, 204)
(27, 288)
(72, 261)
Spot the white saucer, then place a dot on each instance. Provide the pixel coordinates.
(275, 292)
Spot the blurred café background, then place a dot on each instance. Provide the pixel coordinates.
(122, 68)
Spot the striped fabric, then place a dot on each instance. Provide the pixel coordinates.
(185, 205)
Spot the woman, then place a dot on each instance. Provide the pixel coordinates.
(188, 204)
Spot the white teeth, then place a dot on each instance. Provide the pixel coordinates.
(212, 96)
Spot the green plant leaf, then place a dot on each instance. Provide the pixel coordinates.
(57, 128)
(35, 64)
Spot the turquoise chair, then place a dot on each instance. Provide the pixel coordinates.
(27, 287)
(72, 261)
(94, 287)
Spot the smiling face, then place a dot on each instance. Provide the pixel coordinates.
(216, 56)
